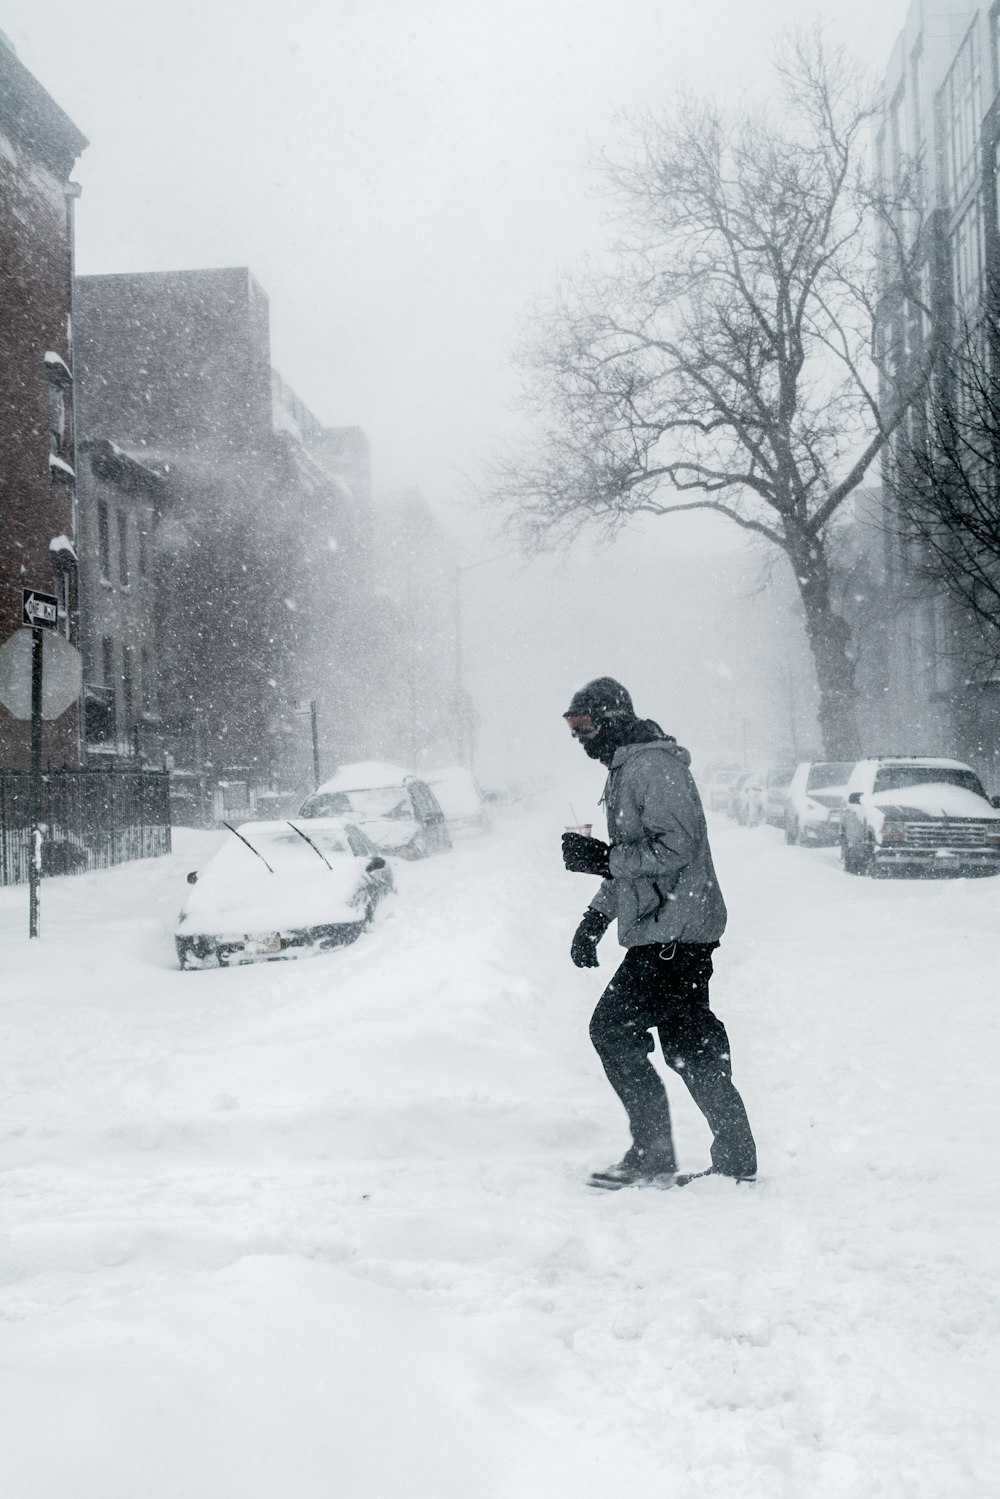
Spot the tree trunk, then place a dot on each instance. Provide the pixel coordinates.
(829, 637)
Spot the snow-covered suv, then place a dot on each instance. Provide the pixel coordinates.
(919, 813)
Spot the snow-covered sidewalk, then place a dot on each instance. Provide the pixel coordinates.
(319, 1227)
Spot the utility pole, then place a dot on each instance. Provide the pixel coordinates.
(315, 742)
(35, 866)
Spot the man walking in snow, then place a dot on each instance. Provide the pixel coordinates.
(659, 882)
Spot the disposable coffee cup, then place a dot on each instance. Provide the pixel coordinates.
(585, 828)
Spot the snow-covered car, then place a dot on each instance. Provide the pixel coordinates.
(815, 801)
(278, 890)
(400, 814)
(734, 796)
(919, 813)
(774, 795)
(750, 797)
(461, 800)
(720, 786)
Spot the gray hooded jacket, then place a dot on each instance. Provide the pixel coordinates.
(663, 886)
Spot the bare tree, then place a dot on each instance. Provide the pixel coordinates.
(726, 360)
(944, 479)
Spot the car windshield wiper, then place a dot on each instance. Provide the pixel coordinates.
(311, 845)
(250, 846)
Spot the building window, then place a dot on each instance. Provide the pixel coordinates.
(961, 118)
(104, 540)
(99, 726)
(128, 689)
(143, 551)
(147, 695)
(62, 587)
(59, 381)
(967, 259)
(123, 548)
(917, 99)
(895, 136)
(108, 661)
(57, 419)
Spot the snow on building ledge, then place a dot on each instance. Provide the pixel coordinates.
(60, 470)
(57, 369)
(62, 544)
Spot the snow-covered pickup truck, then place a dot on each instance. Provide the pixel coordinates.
(919, 813)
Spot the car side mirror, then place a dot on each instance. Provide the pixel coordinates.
(995, 802)
(377, 863)
(854, 799)
(192, 878)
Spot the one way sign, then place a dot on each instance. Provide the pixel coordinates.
(39, 608)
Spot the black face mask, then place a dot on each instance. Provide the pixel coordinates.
(593, 747)
(618, 732)
(612, 736)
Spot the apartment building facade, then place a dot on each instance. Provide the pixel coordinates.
(940, 132)
(38, 538)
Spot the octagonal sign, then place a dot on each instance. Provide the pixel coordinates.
(62, 674)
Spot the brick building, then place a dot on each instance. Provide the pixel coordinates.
(38, 147)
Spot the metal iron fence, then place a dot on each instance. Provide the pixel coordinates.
(90, 819)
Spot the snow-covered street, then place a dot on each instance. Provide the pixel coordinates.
(319, 1227)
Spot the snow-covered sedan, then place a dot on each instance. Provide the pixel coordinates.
(400, 814)
(815, 801)
(278, 890)
(461, 800)
(919, 814)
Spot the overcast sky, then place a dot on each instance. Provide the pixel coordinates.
(403, 176)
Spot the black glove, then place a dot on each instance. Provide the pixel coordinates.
(586, 855)
(583, 949)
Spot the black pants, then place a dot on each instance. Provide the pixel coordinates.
(665, 988)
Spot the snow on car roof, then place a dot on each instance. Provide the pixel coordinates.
(364, 776)
(933, 761)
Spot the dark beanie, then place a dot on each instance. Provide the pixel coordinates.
(604, 699)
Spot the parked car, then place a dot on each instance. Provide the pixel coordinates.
(733, 803)
(463, 803)
(815, 801)
(720, 786)
(274, 890)
(919, 813)
(774, 799)
(750, 798)
(399, 813)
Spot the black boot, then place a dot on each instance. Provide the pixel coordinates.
(637, 1168)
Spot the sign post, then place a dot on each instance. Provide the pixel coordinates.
(41, 675)
(41, 612)
(35, 866)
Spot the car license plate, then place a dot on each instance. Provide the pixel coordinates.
(269, 942)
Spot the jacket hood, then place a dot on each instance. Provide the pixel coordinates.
(665, 746)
